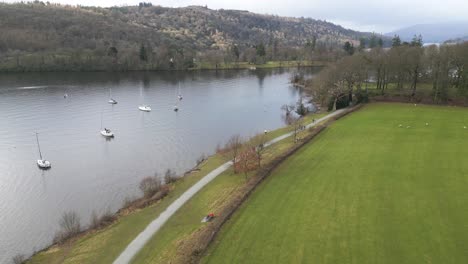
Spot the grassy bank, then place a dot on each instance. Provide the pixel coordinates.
(364, 191)
(266, 65)
(105, 245)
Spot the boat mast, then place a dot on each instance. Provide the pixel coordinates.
(38, 146)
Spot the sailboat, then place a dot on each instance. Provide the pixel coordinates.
(180, 95)
(106, 132)
(111, 100)
(176, 106)
(144, 108)
(42, 163)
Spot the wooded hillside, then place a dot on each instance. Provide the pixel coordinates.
(46, 37)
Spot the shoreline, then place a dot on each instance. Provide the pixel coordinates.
(233, 66)
(145, 203)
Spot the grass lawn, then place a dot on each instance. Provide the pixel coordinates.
(268, 64)
(363, 191)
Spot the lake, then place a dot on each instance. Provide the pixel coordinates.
(91, 173)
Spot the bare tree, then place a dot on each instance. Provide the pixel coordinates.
(69, 226)
(233, 147)
(247, 160)
(258, 143)
(19, 259)
(150, 185)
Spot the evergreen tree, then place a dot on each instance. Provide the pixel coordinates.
(349, 48)
(143, 53)
(396, 41)
(261, 50)
(380, 42)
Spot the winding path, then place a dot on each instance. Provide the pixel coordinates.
(139, 242)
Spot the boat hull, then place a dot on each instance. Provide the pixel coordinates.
(107, 134)
(144, 108)
(44, 164)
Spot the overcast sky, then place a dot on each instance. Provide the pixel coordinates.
(380, 16)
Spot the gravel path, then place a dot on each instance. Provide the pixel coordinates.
(139, 242)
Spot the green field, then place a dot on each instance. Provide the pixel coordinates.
(364, 191)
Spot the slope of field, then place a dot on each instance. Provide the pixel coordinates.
(364, 191)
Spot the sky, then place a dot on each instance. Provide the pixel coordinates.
(378, 16)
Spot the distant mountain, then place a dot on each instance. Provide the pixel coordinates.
(457, 40)
(433, 33)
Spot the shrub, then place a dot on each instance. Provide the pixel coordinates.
(202, 157)
(128, 201)
(150, 185)
(103, 220)
(69, 226)
(18, 259)
(170, 177)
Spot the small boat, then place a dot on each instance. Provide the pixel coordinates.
(65, 95)
(176, 108)
(111, 100)
(42, 163)
(107, 133)
(144, 108)
(180, 95)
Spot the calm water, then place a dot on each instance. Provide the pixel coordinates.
(90, 173)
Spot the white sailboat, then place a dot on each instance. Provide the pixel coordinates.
(106, 132)
(144, 108)
(111, 100)
(42, 163)
(180, 95)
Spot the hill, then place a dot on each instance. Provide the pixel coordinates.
(433, 33)
(38, 36)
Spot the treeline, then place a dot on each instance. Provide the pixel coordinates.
(40, 36)
(406, 71)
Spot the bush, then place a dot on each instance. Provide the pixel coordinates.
(69, 226)
(170, 177)
(18, 259)
(128, 201)
(100, 221)
(150, 185)
(202, 157)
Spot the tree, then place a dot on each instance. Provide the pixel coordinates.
(373, 41)
(362, 44)
(261, 50)
(380, 42)
(348, 48)
(150, 185)
(232, 148)
(416, 41)
(235, 51)
(143, 53)
(301, 110)
(396, 41)
(247, 160)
